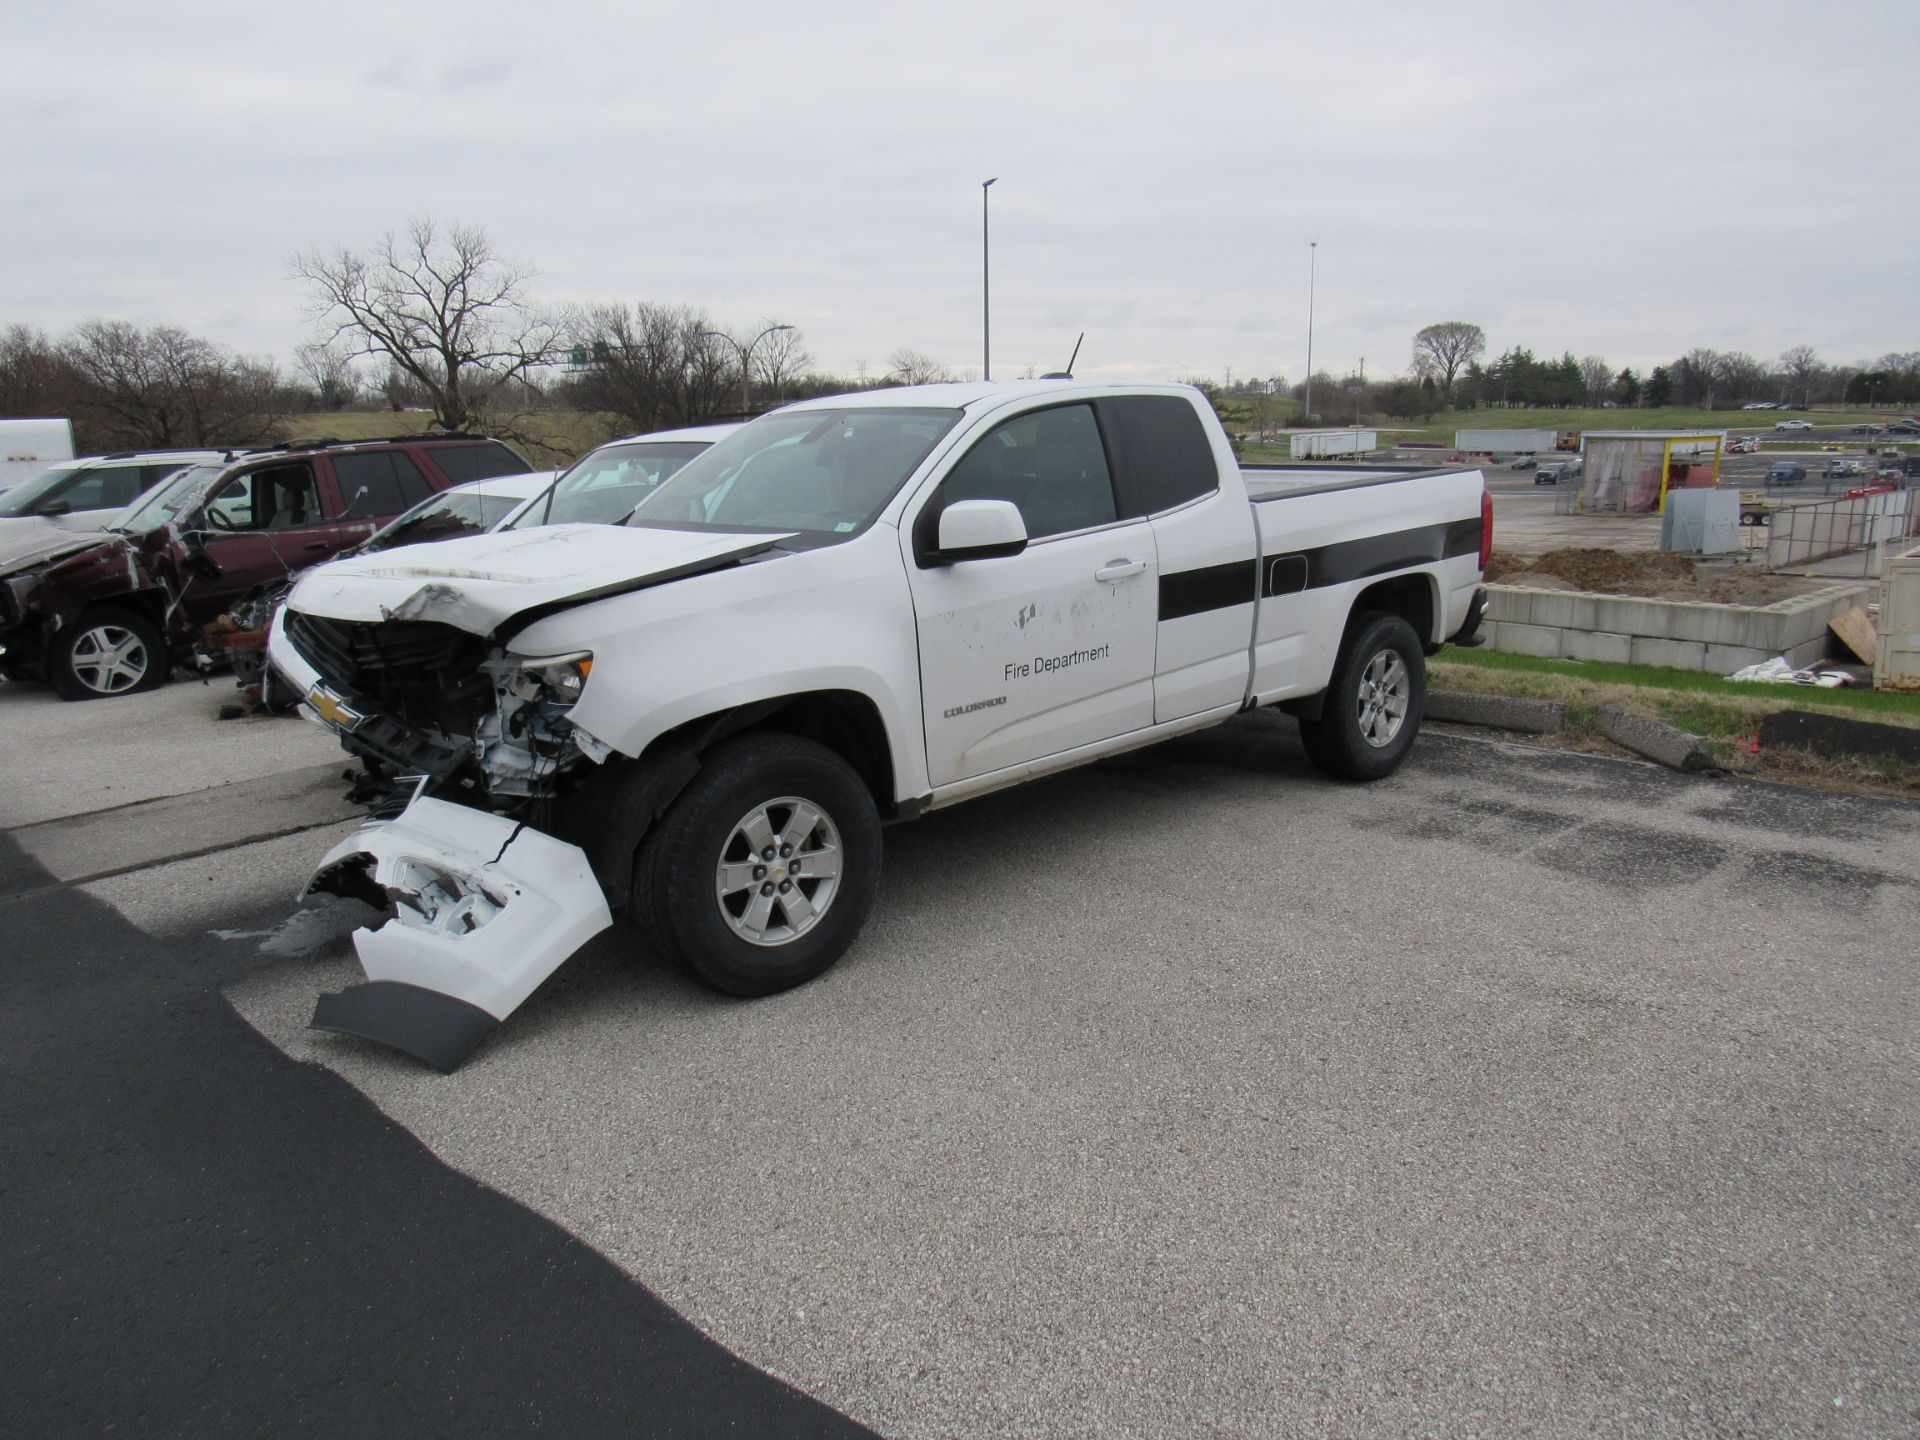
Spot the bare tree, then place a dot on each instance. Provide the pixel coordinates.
(163, 387)
(778, 360)
(910, 367)
(652, 365)
(1443, 350)
(1597, 376)
(447, 311)
(330, 370)
(1799, 365)
(36, 380)
(1741, 376)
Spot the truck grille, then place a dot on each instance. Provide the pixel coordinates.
(421, 673)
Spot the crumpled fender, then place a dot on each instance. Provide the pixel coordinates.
(484, 910)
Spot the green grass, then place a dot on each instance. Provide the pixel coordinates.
(1882, 704)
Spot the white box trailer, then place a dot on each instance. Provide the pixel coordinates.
(1896, 660)
(1319, 444)
(1505, 442)
(29, 446)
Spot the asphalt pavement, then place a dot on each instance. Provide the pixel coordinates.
(202, 1237)
(1524, 1093)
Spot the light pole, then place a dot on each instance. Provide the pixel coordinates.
(1313, 260)
(986, 290)
(746, 353)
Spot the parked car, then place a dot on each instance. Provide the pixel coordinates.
(1743, 445)
(1841, 469)
(106, 613)
(603, 486)
(1557, 471)
(1793, 424)
(86, 494)
(1786, 472)
(238, 638)
(854, 610)
(1760, 405)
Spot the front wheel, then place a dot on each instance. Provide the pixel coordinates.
(106, 653)
(761, 873)
(1374, 702)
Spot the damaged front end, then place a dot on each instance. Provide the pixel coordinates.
(484, 905)
(483, 910)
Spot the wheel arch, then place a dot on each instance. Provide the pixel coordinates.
(609, 819)
(1414, 597)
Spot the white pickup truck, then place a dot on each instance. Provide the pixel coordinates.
(850, 612)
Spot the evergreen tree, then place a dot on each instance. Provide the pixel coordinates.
(1659, 391)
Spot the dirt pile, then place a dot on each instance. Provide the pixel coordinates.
(1651, 574)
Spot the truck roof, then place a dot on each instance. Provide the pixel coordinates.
(962, 395)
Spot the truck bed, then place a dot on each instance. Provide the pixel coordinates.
(1279, 482)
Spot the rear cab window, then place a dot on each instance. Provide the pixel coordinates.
(1162, 458)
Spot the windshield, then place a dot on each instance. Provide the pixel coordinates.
(165, 504)
(443, 517)
(604, 487)
(22, 499)
(826, 471)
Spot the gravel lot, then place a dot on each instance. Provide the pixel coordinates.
(68, 757)
(1190, 1094)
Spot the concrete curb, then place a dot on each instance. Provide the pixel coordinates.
(1675, 748)
(1502, 712)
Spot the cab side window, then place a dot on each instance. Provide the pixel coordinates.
(1050, 463)
(1162, 455)
(279, 497)
(380, 483)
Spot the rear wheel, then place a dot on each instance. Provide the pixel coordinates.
(106, 653)
(761, 873)
(1374, 702)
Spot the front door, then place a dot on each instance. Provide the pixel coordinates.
(264, 525)
(1028, 655)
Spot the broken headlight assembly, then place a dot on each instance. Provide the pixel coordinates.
(528, 740)
(556, 679)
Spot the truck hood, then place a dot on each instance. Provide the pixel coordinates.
(28, 540)
(480, 582)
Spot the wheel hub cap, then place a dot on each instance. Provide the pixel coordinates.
(110, 659)
(779, 871)
(1386, 690)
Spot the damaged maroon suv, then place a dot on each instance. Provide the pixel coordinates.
(108, 613)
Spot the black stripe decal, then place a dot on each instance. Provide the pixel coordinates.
(1212, 587)
(1349, 560)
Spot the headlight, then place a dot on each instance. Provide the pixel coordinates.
(559, 678)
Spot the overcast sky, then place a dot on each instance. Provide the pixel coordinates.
(1632, 180)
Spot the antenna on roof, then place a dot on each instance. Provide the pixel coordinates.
(1067, 374)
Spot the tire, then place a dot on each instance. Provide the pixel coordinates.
(711, 901)
(1357, 737)
(106, 653)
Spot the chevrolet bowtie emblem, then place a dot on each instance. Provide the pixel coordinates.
(332, 709)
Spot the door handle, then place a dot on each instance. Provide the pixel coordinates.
(1115, 570)
(315, 545)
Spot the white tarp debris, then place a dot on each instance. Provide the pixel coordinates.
(1779, 671)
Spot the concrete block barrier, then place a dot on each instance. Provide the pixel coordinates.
(1503, 712)
(1673, 747)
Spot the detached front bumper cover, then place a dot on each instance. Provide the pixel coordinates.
(484, 910)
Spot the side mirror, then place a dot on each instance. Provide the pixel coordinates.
(980, 530)
(55, 507)
(194, 542)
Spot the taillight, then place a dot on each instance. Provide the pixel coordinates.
(1486, 529)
